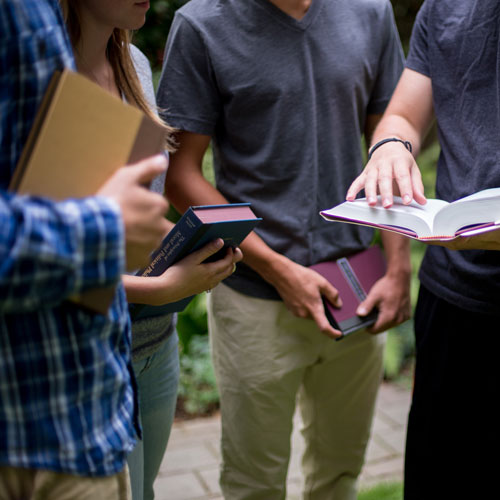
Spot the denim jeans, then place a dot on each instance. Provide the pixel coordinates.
(157, 380)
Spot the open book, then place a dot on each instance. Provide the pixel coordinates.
(436, 220)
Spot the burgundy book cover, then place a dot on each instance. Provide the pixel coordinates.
(353, 277)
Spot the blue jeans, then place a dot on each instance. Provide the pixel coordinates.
(157, 380)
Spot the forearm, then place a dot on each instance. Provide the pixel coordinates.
(191, 189)
(391, 166)
(185, 186)
(410, 112)
(398, 126)
(195, 190)
(397, 251)
(151, 290)
(51, 251)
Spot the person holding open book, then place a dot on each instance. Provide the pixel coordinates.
(452, 75)
(100, 36)
(285, 89)
(67, 418)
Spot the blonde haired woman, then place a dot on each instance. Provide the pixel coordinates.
(100, 35)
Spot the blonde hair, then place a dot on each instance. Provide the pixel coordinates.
(118, 54)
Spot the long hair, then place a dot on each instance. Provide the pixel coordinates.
(118, 54)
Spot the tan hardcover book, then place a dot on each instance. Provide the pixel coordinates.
(81, 135)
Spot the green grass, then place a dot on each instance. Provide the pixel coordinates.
(383, 491)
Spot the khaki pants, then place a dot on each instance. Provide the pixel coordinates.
(264, 357)
(31, 484)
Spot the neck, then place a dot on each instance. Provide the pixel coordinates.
(91, 52)
(294, 8)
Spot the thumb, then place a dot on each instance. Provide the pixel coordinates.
(208, 250)
(366, 306)
(146, 170)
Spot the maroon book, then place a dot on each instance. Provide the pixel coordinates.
(353, 277)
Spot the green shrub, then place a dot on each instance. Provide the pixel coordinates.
(192, 322)
(152, 36)
(383, 491)
(197, 390)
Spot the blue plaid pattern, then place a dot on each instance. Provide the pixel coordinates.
(66, 396)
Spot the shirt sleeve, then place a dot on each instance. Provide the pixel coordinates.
(187, 94)
(50, 251)
(145, 75)
(391, 64)
(418, 59)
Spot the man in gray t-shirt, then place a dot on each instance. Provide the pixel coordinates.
(284, 90)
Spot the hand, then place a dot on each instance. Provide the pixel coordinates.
(391, 169)
(391, 295)
(301, 289)
(489, 240)
(189, 276)
(143, 212)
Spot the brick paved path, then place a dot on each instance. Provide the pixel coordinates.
(191, 465)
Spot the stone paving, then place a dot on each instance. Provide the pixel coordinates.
(190, 467)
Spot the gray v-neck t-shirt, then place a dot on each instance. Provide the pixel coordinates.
(457, 45)
(285, 102)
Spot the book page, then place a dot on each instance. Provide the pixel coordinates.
(484, 194)
(413, 218)
(478, 209)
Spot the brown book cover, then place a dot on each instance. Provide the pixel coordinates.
(81, 135)
(353, 277)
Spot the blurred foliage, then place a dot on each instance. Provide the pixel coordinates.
(383, 491)
(197, 390)
(192, 321)
(405, 12)
(152, 36)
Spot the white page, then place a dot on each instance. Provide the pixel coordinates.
(486, 193)
(398, 215)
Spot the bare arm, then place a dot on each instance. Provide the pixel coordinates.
(187, 277)
(300, 287)
(408, 117)
(391, 294)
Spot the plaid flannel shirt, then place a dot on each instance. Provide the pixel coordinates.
(66, 396)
